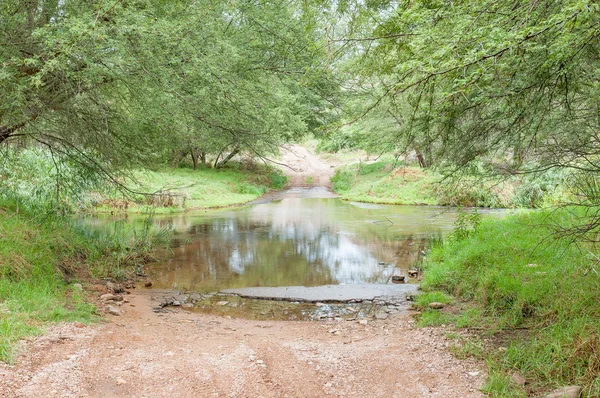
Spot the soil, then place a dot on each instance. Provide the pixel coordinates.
(304, 169)
(185, 354)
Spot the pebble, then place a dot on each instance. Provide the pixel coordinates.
(120, 381)
(566, 392)
(148, 284)
(222, 302)
(363, 322)
(473, 374)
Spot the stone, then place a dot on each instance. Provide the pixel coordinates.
(436, 306)
(114, 287)
(363, 322)
(381, 315)
(518, 379)
(113, 310)
(398, 278)
(222, 302)
(176, 303)
(110, 297)
(473, 374)
(413, 273)
(78, 287)
(120, 381)
(148, 284)
(566, 392)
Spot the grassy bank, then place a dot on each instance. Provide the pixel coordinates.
(41, 260)
(533, 301)
(391, 182)
(179, 189)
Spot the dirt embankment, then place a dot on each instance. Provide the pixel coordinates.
(186, 354)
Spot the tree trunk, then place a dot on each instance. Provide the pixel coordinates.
(228, 158)
(6, 132)
(195, 152)
(421, 160)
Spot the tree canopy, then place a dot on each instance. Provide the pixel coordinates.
(112, 84)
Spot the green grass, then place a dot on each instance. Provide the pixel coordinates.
(378, 183)
(41, 257)
(533, 297)
(193, 189)
(390, 182)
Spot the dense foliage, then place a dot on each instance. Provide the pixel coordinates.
(115, 84)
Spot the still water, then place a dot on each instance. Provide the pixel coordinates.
(296, 241)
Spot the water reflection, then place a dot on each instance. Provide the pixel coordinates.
(296, 241)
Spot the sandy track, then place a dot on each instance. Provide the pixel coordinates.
(185, 354)
(304, 168)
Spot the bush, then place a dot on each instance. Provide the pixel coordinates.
(342, 181)
(277, 180)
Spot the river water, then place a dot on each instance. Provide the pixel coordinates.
(296, 238)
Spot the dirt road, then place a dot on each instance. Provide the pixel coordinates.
(185, 354)
(304, 169)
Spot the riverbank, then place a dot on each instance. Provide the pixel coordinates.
(529, 301)
(389, 181)
(43, 261)
(172, 190)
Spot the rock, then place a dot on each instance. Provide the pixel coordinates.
(398, 278)
(473, 374)
(78, 287)
(111, 297)
(363, 322)
(187, 305)
(222, 302)
(565, 392)
(436, 306)
(176, 303)
(148, 284)
(518, 379)
(413, 273)
(381, 315)
(114, 287)
(120, 381)
(113, 310)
